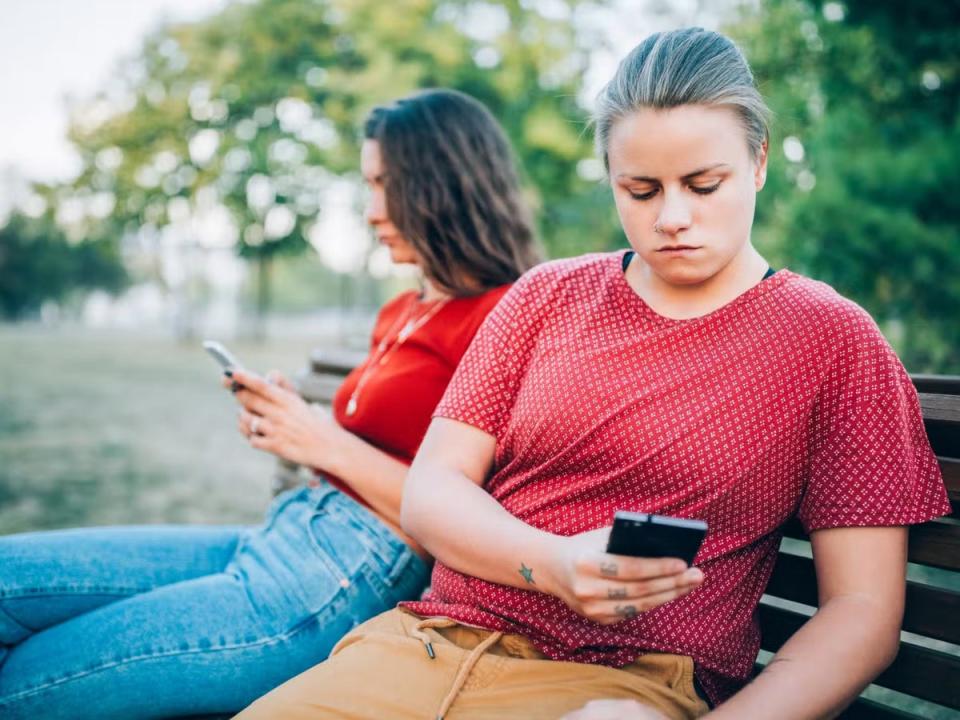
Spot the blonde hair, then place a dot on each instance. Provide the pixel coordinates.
(691, 66)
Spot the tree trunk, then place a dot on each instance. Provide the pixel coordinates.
(263, 297)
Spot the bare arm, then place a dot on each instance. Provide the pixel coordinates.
(458, 522)
(480, 536)
(861, 574)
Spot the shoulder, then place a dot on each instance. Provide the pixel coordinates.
(583, 267)
(818, 304)
(842, 329)
(397, 304)
(391, 311)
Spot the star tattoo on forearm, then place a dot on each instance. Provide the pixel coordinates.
(527, 574)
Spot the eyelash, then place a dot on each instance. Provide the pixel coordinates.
(697, 190)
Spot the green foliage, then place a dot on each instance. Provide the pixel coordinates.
(37, 264)
(872, 98)
(278, 88)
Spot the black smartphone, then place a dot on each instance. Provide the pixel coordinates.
(646, 535)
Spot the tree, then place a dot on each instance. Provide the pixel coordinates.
(38, 263)
(257, 108)
(865, 158)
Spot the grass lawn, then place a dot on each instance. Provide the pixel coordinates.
(108, 428)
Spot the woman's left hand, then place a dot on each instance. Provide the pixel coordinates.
(276, 419)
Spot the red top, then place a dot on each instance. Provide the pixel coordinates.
(787, 401)
(396, 402)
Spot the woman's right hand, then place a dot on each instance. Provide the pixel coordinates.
(609, 588)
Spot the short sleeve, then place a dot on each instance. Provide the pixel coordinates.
(485, 384)
(870, 462)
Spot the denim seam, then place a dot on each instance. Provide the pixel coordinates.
(296, 629)
(73, 590)
(14, 621)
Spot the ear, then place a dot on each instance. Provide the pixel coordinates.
(760, 168)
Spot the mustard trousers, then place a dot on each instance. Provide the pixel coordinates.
(399, 666)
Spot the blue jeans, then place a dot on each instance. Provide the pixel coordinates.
(155, 622)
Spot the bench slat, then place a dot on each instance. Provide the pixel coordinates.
(940, 408)
(921, 672)
(935, 543)
(929, 611)
(940, 384)
(944, 437)
(950, 467)
(932, 543)
(335, 362)
(318, 388)
(864, 709)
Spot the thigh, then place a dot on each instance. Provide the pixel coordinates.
(382, 670)
(541, 689)
(377, 671)
(48, 577)
(195, 647)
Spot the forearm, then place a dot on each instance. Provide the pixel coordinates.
(461, 525)
(373, 474)
(824, 666)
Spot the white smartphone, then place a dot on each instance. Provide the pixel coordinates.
(224, 357)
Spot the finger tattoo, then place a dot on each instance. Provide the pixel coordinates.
(608, 569)
(617, 593)
(626, 611)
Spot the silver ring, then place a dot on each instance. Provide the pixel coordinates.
(254, 426)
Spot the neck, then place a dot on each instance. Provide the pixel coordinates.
(682, 302)
(432, 292)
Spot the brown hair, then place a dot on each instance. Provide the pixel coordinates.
(452, 190)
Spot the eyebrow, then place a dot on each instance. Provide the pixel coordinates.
(688, 176)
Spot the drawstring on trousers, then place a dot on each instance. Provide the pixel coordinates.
(468, 664)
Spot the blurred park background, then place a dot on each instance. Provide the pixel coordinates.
(206, 184)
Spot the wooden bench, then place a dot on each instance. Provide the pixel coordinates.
(927, 668)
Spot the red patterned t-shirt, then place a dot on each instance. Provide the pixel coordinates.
(787, 401)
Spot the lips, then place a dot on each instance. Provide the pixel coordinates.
(677, 248)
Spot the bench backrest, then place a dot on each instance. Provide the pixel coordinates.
(927, 668)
